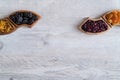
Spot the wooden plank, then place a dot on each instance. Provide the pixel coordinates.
(54, 49)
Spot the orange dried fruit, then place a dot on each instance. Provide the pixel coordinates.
(6, 26)
(113, 17)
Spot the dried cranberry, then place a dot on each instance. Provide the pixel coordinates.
(94, 26)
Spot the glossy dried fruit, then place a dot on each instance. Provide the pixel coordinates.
(113, 17)
(94, 26)
(20, 18)
(6, 26)
(101, 24)
(15, 20)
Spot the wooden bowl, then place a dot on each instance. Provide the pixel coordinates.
(39, 17)
(104, 17)
(80, 27)
(13, 26)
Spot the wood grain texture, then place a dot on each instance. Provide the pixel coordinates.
(54, 49)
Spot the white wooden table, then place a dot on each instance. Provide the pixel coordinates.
(54, 49)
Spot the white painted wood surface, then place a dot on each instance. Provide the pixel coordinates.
(54, 49)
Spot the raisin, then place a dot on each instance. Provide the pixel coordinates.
(20, 19)
(30, 15)
(25, 21)
(94, 26)
(23, 18)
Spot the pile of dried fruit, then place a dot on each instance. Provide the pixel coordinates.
(94, 26)
(6, 26)
(101, 24)
(113, 17)
(23, 18)
(12, 22)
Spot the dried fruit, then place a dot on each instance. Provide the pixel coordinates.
(6, 26)
(101, 24)
(113, 17)
(94, 26)
(20, 18)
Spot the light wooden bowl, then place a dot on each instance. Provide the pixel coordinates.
(15, 26)
(80, 27)
(39, 17)
(104, 17)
